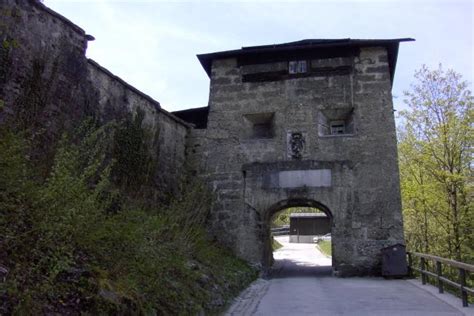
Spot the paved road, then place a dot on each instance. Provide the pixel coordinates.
(301, 284)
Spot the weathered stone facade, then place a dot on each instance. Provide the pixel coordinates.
(308, 123)
(271, 143)
(44, 72)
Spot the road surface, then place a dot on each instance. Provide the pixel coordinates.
(301, 284)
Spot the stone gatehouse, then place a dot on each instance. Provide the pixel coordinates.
(307, 123)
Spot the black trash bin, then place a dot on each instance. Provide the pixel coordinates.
(394, 261)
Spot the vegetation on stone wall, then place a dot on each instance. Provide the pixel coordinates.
(35, 95)
(78, 232)
(7, 43)
(6, 46)
(436, 144)
(65, 246)
(134, 166)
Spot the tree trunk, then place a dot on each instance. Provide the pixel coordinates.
(456, 229)
(425, 232)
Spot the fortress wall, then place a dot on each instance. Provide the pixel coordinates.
(47, 81)
(168, 133)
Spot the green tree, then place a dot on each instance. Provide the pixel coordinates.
(436, 148)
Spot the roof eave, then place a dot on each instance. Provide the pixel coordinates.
(206, 59)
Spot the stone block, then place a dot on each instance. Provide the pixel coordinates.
(377, 69)
(229, 194)
(221, 81)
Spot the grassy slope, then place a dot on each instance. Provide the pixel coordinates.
(74, 243)
(325, 247)
(275, 244)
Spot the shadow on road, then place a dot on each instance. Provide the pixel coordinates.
(288, 268)
(295, 260)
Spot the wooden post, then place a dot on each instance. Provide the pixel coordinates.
(462, 282)
(298, 229)
(422, 268)
(439, 272)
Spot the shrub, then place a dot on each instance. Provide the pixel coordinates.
(68, 247)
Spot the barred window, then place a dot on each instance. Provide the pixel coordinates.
(337, 127)
(297, 67)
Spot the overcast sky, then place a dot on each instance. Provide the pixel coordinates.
(153, 44)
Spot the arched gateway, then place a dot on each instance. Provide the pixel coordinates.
(284, 204)
(307, 122)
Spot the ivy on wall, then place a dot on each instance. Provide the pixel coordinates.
(7, 45)
(134, 165)
(34, 97)
(9, 18)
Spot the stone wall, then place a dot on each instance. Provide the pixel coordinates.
(168, 133)
(363, 195)
(47, 82)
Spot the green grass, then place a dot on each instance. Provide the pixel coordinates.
(275, 244)
(325, 247)
(74, 243)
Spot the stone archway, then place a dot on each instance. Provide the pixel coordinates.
(298, 202)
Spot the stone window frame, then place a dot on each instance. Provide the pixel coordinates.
(326, 120)
(261, 126)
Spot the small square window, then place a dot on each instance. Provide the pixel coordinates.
(336, 122)
(263, 130)
(297, 67)
(260, 125)
(337, 127)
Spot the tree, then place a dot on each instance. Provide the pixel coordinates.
(436, 150)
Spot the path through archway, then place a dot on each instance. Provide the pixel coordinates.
(298, 242)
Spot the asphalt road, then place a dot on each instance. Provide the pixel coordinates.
(301, 284)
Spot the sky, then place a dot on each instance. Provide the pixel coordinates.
(152, 45)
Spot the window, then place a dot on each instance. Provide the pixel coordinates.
(337, 127)
(297, 67)
(262, 130)
(260, 125)
(336, 121)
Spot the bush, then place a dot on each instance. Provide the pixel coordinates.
(75, 243)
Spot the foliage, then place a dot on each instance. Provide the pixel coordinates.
(68, 250)
(35, 95)
(435, 147)
(134, 165)
(283, 218)
(7, 44)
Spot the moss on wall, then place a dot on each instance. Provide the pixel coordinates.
(134, 166)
